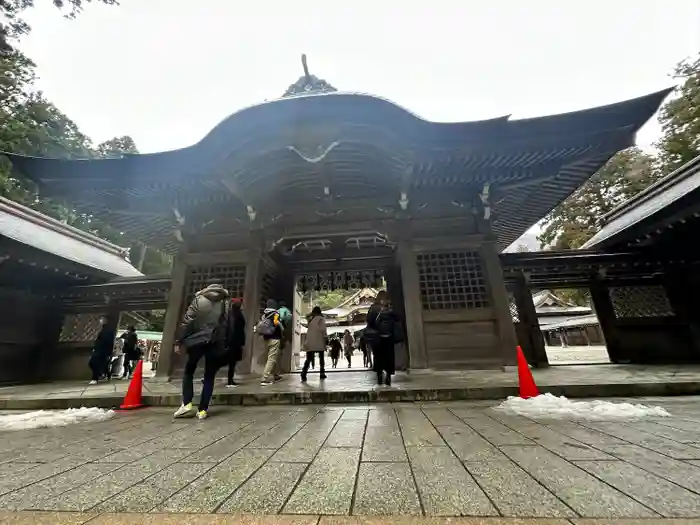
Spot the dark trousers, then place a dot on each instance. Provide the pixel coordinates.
(231, 369)
(128, 367)
(309, 359)
(212, 364)
(108, 368)
(97, 365)
(384, 359)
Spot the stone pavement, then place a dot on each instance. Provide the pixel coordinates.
(315, 462)
(359, 387)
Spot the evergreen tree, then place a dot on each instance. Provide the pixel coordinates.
(680, 119)
(579, 217)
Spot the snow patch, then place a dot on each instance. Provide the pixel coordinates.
(548, 406)
(51, 418)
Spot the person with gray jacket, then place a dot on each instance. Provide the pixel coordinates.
(207, 311)
(316, 335)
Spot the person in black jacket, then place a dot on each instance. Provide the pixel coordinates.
(131, 351)
(336, 348)
(102, 350)
(379, 333)
(235, 338)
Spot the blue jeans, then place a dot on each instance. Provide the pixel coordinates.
(211, 367)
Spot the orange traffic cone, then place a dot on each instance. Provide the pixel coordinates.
(528, 388)
(133, 398)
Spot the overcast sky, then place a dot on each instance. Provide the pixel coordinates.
(167, 71)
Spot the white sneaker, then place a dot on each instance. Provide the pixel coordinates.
(185, 411)
(231, 386)
(202, 414)
(93, 382)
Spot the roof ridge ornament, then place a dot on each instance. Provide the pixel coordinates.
(308, 84)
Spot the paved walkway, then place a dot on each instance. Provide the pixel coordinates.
(161, 519)
(431, 459)
(65, 518)
(351, 387)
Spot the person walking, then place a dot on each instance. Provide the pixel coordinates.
(316, 336)
(381, 334)
(366, 353)
(202, 334)
(102, 350)
(347, 343)
(131, 351)
(155, 355)
(336, 348)
(272, 331)
(235, 338)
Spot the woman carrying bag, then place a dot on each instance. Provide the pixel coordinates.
(316, 336)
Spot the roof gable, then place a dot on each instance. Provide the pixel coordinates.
(649, 203)
(44, 233)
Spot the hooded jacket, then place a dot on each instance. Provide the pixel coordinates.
(204, 310)
(316, 335)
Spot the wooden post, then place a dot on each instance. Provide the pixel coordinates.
(605, 311)
(499, 302)
(395, 290)
(251, 306)
(410, 283)
(172, 318)
(535, 353)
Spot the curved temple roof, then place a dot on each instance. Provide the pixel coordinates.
(361, 146)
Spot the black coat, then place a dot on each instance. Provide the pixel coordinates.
(104, 342)
(131, 350)
(235, 333)
(336, 348)
(383, 351)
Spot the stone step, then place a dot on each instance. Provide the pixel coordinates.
(291, 394)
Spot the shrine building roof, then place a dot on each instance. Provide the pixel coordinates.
(669, 205)
(90, 254)
(289, 157)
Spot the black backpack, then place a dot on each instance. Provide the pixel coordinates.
(385, 323)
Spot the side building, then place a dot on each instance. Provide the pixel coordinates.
(39, 258)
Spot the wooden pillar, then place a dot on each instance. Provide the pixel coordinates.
(251, 307)
(535, 352)
(395, 290)
(413, 306)
(499, 302)
(173, 312)
(605, 311)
